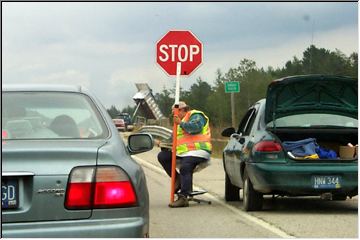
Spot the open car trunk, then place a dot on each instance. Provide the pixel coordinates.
(328, 138)
(315, 106)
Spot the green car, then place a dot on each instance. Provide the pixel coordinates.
(65, 170)
(299, 141)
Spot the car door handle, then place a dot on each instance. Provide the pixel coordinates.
(242, 140)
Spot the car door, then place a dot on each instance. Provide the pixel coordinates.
(241, 148)
(233, 149)
(229, 157)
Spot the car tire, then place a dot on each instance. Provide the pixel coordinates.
(338, 197)
(231, 191)
(252, 200)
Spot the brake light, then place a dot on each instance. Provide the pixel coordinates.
(267, 146)
(99, 187)
(4, 134)
(113, 188)
(79, 195)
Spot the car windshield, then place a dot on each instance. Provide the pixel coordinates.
(313, 120)
(50, 115)
(125, 117)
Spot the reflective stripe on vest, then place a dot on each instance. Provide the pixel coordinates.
(188, 142)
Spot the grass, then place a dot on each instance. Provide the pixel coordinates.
(217, 149)
(218, 141)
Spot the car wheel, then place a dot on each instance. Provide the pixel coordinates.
(252, 200)
(339, 197)
(231, 191)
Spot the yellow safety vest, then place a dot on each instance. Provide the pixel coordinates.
(188, 142)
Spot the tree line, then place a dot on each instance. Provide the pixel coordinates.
(253, 84)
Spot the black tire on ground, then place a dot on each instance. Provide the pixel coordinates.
(339, 197)
(252, 200)
(231, 191)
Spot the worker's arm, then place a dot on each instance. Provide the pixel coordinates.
(195, 124)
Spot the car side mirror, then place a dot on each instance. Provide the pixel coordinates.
(140, 142)
(227, 132)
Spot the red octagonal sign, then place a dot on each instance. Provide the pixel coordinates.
(179, 46)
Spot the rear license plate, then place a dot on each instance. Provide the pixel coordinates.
(9, 194)
(326, 182)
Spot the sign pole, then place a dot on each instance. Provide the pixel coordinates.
(174, 143)
(233, 121)
(232, 87)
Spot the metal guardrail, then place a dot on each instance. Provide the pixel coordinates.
(165, 132)
(156, 131)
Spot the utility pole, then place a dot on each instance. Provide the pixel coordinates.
(307, 18)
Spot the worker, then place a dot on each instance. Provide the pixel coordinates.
(193, 147)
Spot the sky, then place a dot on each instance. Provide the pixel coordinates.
(107, 47)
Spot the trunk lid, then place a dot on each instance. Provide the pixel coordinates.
(311, 94)
(40, 169)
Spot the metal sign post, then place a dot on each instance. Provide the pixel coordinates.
(174, 143)
(233, 119)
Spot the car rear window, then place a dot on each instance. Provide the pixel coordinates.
(315, 120)
(126, 118)
(50, 115)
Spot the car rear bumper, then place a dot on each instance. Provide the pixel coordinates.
(120, 128)
(296, 178)
(135, 227)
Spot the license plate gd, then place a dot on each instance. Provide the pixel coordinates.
(9, 194)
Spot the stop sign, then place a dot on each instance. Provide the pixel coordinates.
(179, 46)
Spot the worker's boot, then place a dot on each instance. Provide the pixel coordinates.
(180, 202)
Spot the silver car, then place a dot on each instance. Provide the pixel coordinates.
(65, 170)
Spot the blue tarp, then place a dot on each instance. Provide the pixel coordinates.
(307, 147)
(301, 148)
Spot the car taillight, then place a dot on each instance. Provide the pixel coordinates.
(99, 187)
(267, 146)
(4, 134)
(113, 188)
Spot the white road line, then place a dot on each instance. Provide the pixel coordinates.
(243, 214)
(251, 218)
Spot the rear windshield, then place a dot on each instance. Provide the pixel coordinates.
(126, 118)
(314, 120)
(50, 115)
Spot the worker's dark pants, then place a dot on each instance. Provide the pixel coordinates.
(187, 166)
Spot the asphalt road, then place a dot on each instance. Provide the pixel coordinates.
(305, 217)
(196, 221)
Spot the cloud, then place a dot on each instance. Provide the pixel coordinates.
(68, 77)
(110, 46)
(344, 39)
(121, 85)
